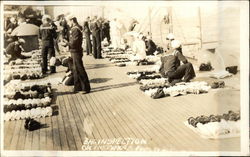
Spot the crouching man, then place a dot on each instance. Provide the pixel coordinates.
(172, 68)
(15, 49)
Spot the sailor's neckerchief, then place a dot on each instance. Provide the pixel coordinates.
(174, 53)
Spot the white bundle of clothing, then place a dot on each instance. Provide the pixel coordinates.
(33, 113)
(45, 101)
(185, 88)
(216, 129)
(157, 81)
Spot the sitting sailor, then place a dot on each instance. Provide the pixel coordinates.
(15, 49)
(172, 68)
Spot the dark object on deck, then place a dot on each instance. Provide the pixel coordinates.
(219, 84)
(232, 69)
(147, 87)
(146, 77)
(192, 121)
(142, 72)
(121, 65)
(230, 116)
(158, 94)
(205, 67)
(31, 124)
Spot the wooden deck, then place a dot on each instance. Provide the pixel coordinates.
(117, 109)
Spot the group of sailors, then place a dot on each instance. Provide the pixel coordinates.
(66, 29)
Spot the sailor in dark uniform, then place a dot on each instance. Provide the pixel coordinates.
(171, 67)
(106, 30)
(96, 38)
(87, 34)
(14, 49)
(150, 46)
(47, 34)
(81, 81)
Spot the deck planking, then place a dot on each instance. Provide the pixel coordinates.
(118, 109)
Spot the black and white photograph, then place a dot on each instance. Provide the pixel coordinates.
(131, 78)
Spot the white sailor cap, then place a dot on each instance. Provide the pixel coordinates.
(175, 44)
(170, 36)
(46, 17)
(21, 40)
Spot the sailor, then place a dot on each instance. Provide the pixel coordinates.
(115, 33)
(47, 34)
(87, 34)
(81, 80)
(150, 46)
(171, 67)
(170, 37)
(139, 48)
(15, 49)
(12, 25)
(96, 38)
(106, 30)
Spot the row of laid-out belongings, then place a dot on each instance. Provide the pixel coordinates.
(226, 125)
(32, 66)
(20, 84)
(118, 56)
(120, 60)
(126, 62)
(32, 113)
(24, 76)
(23, 71)
(25, 92)
(179, 89)
(28, 102)
(25, 61)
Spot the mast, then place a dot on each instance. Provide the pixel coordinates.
(150, 27)
(200, 27)
(170, 20)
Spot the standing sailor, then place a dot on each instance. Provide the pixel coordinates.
(87, 34)
(47, 34)
(81, 80)
(96, 38)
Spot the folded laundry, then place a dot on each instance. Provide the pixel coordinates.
(179, 89)
(147, 87)
(157, 81)
(220, 74)
(216, 126)
(23, 114)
